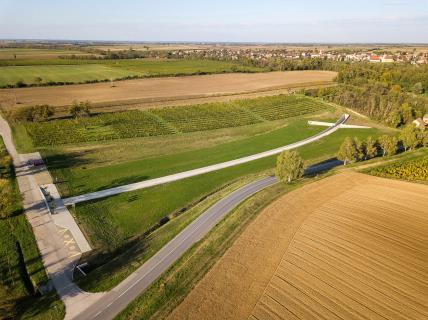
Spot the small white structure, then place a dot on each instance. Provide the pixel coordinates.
(330, 124)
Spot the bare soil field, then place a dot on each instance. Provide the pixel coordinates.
(350, 246)
(154, 90)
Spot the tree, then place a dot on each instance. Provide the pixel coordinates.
(348, 151)
(409, 137)
(393, 119)
(42, 112)
(425, 138)
(418, 88)
(371, 148)
(38, 80)
(406, 113)
(362, 149)
(388, 145)
(81, 109)
(289, 166)
(6, 199)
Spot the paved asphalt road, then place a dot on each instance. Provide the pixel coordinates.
(199, 171)
(117, 299)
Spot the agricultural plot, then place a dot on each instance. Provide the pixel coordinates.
(67, 74)
(52, 71)
(350, 246)
(413, 170)
(23, 54)
(167, 121)
(137, 93)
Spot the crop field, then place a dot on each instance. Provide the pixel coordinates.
(165, 121)
(350, 246)
(42, 54)
(65, 71)
(141, 91)
(63, 74)
(412, 170)
(21, 268)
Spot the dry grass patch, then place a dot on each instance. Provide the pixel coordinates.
(350, 246)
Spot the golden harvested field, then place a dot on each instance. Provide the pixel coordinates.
(160, 89)
(350, 246)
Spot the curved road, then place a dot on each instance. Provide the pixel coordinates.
(128, 290)
(199, 171)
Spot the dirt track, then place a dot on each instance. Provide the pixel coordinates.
(350, 246)
(159, 89)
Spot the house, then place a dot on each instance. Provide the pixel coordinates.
(387, 59)
(374, 58)
(419, 123)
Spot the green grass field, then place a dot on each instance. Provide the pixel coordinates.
(31, 53)
(81, 71)
(111, 221)
(21, 268)
(72, 74)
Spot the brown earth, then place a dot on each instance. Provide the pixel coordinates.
(154, 90)
(350, 246)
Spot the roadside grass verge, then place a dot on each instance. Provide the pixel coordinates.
(21, 269)
(143, 247)
(172, 287)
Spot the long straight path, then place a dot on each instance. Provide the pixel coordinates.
(203, 170)
(58, 262)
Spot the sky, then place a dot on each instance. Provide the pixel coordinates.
(298, 21)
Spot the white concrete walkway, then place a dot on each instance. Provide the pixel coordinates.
(195, 172)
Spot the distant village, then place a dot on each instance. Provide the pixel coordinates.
(262, 54)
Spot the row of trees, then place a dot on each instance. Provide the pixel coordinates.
(353, 150)
(39, 113)
(290, 166)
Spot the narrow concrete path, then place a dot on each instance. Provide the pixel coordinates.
(58, 258)
(199, 171)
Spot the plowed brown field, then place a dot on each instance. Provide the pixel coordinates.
(161, 89)
(350, 246)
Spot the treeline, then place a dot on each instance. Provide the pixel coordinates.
(354, 150)
(389, 105)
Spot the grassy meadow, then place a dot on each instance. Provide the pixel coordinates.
(21, 268)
